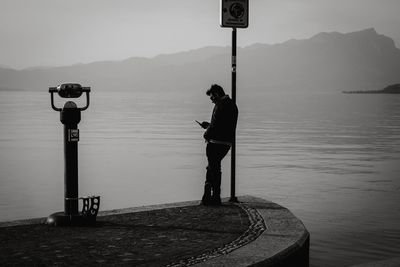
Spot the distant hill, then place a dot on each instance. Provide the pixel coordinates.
(326, 61)
(391, 89)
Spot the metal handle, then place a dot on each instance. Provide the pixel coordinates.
(52, 98)
(87, 99)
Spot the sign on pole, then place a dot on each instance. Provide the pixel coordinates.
(234, 13)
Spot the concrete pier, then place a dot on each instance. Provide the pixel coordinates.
(254, 232)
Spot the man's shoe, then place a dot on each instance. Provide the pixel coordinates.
(216, 201)
(206, 202)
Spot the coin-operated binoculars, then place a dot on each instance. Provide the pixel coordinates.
(70, 116)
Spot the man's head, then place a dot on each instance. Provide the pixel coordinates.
(215, 92)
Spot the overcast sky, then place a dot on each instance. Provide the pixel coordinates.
(64, 32)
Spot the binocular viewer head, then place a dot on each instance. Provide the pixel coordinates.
(69, 90)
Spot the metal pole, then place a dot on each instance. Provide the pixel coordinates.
(233, 151)
(70, 173)
(70, 116)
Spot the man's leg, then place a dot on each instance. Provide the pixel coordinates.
(216, 189)
(206, 199)
(215, 154)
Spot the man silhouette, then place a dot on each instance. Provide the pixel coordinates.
(219, 135)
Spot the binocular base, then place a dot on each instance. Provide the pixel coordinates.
(90, 208)
(61, 219)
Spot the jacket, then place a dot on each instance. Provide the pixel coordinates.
(223, 121)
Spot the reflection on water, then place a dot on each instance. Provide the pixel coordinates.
(332, 159)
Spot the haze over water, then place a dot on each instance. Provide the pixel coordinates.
(332, 159)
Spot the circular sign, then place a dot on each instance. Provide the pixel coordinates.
(237, 10)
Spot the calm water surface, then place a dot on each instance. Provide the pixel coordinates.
(332, 159)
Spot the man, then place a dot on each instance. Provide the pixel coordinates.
(219, 135)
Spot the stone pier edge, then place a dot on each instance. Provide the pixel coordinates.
(284, 242)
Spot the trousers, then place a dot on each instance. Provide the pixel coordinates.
(215, 154)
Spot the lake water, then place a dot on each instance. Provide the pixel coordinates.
(332, 159)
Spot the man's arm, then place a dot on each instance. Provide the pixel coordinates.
(211, 127)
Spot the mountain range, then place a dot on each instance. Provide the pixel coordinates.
(362, 60)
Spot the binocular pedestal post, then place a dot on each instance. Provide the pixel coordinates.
(70, 117)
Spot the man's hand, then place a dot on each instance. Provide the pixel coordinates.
(204, 124)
